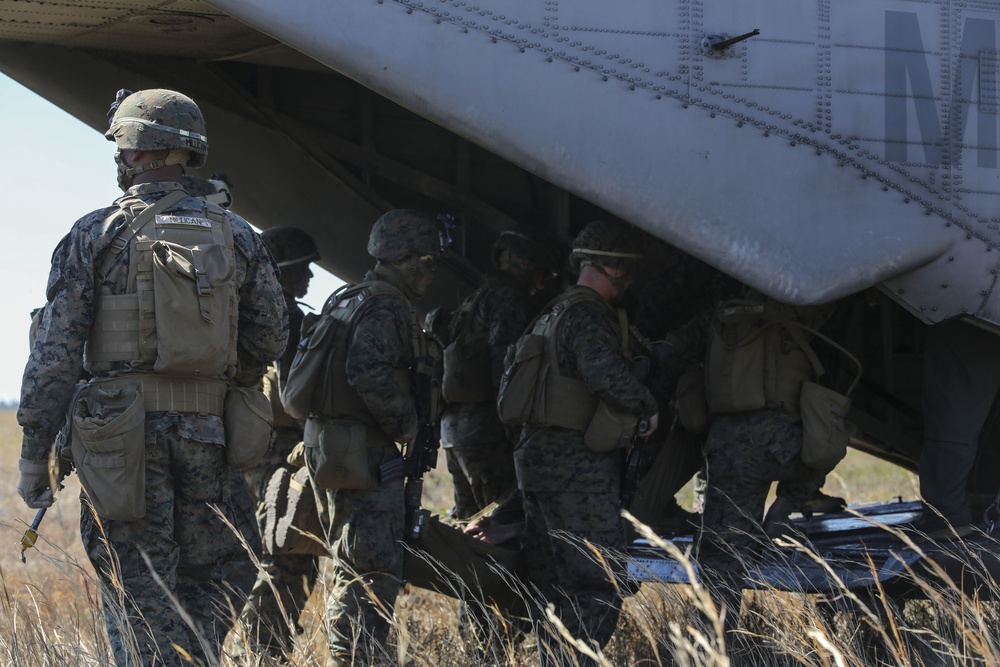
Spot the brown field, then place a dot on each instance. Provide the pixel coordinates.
(50, 613)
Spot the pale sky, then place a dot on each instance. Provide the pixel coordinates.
(53, 170)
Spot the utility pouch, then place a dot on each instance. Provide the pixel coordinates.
(248, 419)
(109, 448)
(292, 523)
(339, 460)
(521, 380)
(467, 370)
(196, 303)
(609, 429)
(690, 401)
(825, 429)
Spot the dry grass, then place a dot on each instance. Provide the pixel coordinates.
(50, 614)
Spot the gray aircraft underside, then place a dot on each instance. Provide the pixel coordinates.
(848, 145)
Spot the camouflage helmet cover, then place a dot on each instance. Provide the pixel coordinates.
(159, 119)
(401, 233)
(536, 250)
(290, 245)
(606, 243)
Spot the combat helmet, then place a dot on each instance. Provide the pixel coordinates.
(290, 245)
(606, 243)
(403, 233)
(537, 251)
(158, 119)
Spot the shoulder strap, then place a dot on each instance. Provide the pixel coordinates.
(125, 234)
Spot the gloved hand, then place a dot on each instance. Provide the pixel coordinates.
(34, 484)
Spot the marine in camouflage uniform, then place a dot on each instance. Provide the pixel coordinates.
(367, 528)
(478, 449)
(187, 547)
(745, 452)
(570, 492)
(292, 576)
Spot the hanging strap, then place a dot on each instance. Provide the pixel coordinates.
(125, 234)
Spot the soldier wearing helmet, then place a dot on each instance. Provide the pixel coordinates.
(569, 457)
(478, 449)
(158, 548)
(277, 598)
(372, 385)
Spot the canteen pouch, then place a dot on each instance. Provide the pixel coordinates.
(340, 459)
(248, 419)
(109, 449)
(521, 380)
(292, 523)
(825, 429)
(690, 401)
(609, 429)
(467, 370)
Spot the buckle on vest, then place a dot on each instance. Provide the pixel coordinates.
(201, 280)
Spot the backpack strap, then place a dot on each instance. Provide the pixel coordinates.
(125, 234)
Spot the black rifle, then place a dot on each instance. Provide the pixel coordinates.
(421, 454)
(635, 464)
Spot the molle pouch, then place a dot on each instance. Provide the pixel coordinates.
(521, 380)
(609, 429)
(825, 429)
(298, 395)
(248, 419)
(195, 302)
(467, 370)
(339, 460)
(109, 448)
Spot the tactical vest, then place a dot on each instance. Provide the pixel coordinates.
(557, 400)
(468, 367)
(746, 366)
(178, 317)
(329, 334)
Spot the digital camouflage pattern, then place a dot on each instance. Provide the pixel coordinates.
(401, 233)
(367, 525)
(479, 449)
(159, 119)
(186, 542)
(568, 488)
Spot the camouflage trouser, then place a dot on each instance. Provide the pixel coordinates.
(366, 536)
(291, 575)
(744, 454)
(188, 548)
(562, 571)
(486, 471)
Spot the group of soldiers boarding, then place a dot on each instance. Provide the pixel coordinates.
(172, 351)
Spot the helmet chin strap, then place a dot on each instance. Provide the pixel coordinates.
(620, 283)
(126, 173)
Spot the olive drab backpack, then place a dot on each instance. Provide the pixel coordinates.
(181, 264)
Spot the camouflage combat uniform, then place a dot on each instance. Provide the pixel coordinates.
(367, 525)
(571, 491)
(291, 575)
(745, 452)
(479, 450)
(186, 544)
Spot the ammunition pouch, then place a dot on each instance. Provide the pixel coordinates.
(109, 449)
(248, 420)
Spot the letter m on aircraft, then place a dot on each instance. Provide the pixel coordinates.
(908, 86)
